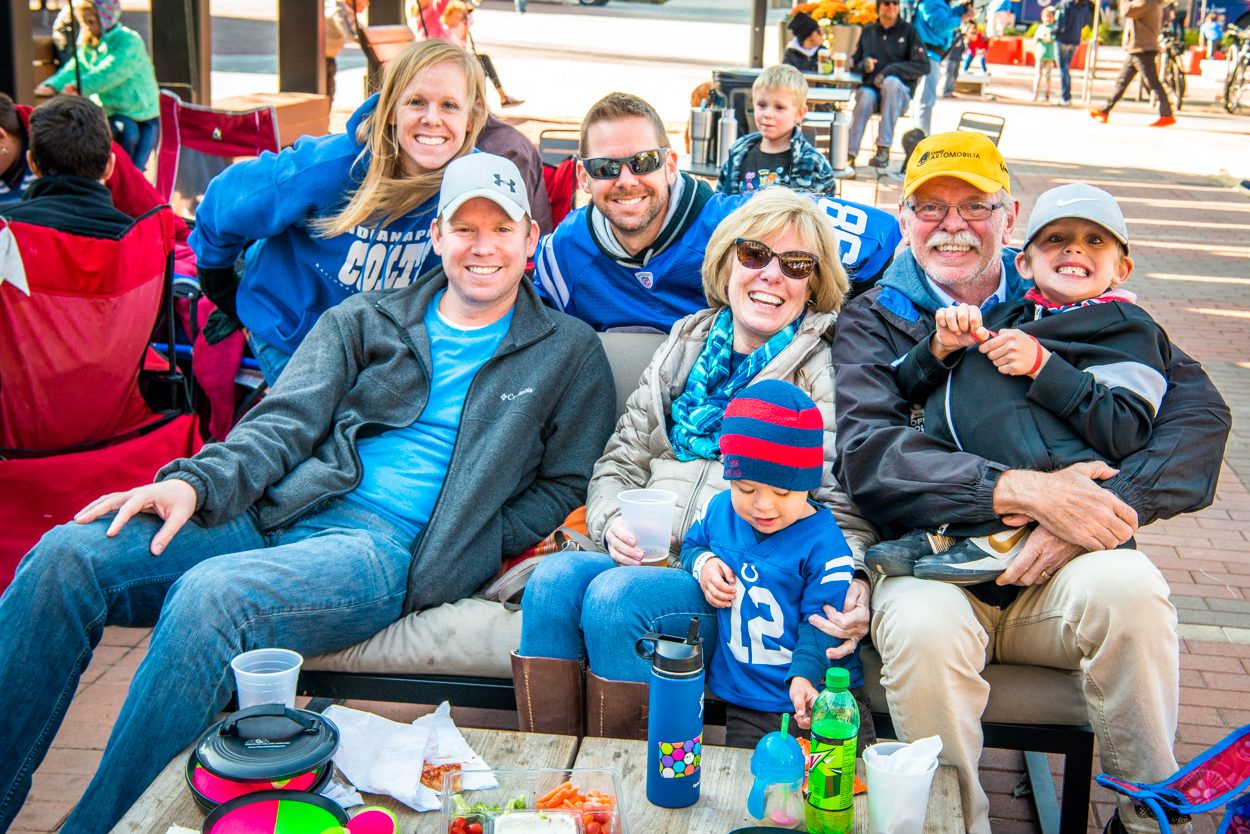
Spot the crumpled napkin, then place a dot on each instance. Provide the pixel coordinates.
(378, 755)
(916, 758)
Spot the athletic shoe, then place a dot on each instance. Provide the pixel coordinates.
(897, 557)
(881, 158)
(509, 101)
(850, 161)
(1163, 121)
(973, 560)
(1100, 115)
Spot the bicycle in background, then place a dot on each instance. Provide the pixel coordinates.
(1171, 66)
(1237, 80)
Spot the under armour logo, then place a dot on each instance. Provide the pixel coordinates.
(499, 180)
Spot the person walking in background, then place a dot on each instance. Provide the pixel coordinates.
(935, 24)
(1143, 19)
(950, 64)
(1045, 54)
(340, 18)
(450, 20)
(111, 66)
(999, 16)
(1071, 18)
(891, 59)
(1212, 33)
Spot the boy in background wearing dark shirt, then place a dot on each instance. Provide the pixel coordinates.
(777, 153)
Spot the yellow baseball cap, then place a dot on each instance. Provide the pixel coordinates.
(963, 154)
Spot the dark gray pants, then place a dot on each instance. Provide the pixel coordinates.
(1147, 64)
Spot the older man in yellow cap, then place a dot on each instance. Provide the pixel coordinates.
(1105, 616)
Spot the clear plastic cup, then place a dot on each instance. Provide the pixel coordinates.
(839, 61)
(897, 802)
(266, 676)
(648, 515)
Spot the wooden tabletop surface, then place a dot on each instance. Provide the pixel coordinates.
(721, 807)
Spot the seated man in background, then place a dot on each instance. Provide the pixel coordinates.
(633, 258)
(70, 158)
(416, 438)
(892, 59)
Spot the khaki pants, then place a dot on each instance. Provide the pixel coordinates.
(1104, 614)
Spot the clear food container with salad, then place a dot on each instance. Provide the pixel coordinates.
(573, 801)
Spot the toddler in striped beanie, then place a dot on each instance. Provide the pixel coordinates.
(767, 557)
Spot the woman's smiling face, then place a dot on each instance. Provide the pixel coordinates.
(764, 301)
(431, 118)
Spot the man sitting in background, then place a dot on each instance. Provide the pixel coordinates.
(70, 158)
(892, 59)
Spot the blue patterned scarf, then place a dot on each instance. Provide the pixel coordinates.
(698, 412)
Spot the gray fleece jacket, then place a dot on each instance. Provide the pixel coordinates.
(536, 417)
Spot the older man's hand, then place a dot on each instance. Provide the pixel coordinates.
(1042, 557)
(848, 625)
(1069, 503)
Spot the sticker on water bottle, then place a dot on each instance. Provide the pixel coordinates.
(680, 759)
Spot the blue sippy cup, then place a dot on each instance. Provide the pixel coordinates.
(778, 767)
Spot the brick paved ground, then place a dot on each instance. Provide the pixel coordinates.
(1190, 244)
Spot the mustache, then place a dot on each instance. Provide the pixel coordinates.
(961, 238)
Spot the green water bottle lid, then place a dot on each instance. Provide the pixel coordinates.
(837, 678)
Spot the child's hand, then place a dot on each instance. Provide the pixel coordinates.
(718, 583)
(1016, 353)
(802, 693)
(957, 327)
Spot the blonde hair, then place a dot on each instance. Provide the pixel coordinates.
(777, 210)
(386, 192)
(86, 7)
(783, 78)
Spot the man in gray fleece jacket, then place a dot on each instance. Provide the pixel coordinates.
(416, 438)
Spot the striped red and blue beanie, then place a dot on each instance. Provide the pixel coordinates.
(774, 434)
(109, 12)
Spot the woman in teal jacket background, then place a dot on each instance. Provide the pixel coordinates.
(112, 67)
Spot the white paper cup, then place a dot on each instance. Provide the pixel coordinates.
(839, 61)
(266, 676)
(897, 803)
(648, 515)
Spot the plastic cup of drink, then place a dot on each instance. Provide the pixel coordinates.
(266, 676)
(897, 802)
(648, 515)
(839, 61)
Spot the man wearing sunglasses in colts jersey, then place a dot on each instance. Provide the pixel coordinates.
(631, 260)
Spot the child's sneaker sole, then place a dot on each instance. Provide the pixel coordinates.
(898, 557)
(974, 560)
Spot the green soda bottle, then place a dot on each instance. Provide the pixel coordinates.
(831, 764)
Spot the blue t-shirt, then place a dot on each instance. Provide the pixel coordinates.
(404, 468)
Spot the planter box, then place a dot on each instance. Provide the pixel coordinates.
(299, 114)
(1006, 50)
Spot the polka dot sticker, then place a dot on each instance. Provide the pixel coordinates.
(679, 759)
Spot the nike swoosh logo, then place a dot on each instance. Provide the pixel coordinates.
(1062, 203)
(1005, 545)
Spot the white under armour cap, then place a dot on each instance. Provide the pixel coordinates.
(483, 175)
(1081, 200)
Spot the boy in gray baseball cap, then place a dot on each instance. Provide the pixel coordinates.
(1073, 372)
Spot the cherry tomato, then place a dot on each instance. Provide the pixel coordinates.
(592, 827)
(474, 828)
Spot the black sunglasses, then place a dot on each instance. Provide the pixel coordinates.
(609, 167)
(755, 255)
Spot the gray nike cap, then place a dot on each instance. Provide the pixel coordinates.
(1081, 200)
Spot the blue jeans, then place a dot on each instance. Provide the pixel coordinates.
(272, 361)
(136, 138)
(950, 70)
(968, 61)
(328, 580)
(1066, 51)
(927, 95)
(585, 606)
(891, 99)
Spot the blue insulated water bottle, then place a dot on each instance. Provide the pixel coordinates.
(675, 724)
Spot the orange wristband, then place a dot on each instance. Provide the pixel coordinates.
(1041, 354)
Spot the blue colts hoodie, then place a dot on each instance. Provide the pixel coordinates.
(291, 275)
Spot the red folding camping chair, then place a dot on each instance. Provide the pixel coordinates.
(197, 143)
(73, 421)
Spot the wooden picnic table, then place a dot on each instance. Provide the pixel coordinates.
(726, 781)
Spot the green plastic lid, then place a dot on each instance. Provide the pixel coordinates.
(837, 678)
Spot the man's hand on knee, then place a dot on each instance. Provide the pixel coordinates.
(1043, 555)
(1069, 503)
(173, 500)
